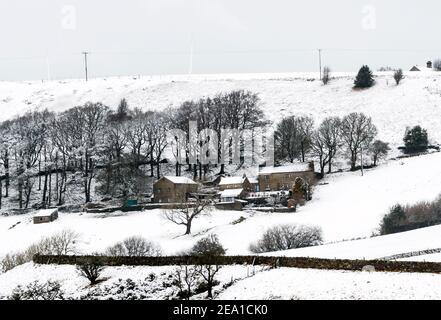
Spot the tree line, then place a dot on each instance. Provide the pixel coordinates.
(297, 138)
(45, 155)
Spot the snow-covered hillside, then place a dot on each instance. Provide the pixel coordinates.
(347, 207)
(417, 100)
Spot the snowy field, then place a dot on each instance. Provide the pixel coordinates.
(306, 284)
(151, 282)
(417, 100)
(257, 283)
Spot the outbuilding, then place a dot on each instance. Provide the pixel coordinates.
(172, 189)
(46, 216)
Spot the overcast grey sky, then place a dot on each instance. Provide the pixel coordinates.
(134, 37)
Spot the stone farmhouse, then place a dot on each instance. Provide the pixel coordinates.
(170, 189)
(283, 178)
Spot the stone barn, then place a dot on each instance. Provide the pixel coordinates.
(283, 178)
(46, 216)
(171, 189)
(227, 183)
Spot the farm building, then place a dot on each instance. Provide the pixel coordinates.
(230, 195)
(428, 67)
(283, 178)
(232, 199)
(254, 182)
(45, 216)
(235, 183)
(170, 189)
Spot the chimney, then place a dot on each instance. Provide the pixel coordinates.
(429, 64)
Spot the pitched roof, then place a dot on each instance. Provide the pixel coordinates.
(297, 167)
(231, 180)
(421, 68)
(179, 180)
(231, 193)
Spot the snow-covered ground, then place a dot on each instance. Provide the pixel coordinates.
(417, 100)
(377, 247)
(348, 207)
(249, 283)
(307, 284)
(151, 282)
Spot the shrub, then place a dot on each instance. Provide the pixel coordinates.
(364, 79)
(287, 237)
(404, 218)
(437, 65)
(12, 260)
(91, 271)
(392, 220)
(62, 243)
(51, 290)
(134, 247)
(208, 246)
(416, 140)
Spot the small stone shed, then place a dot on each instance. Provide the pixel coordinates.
(46, 216)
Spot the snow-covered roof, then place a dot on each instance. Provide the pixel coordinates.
(180, 180)
(422, 68)
(253, 180)
(231, 193)
(231, 180)
(45, 213)
(298, 167)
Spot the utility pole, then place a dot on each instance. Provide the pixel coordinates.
(320, 62)
(361, 156)
(85, 63)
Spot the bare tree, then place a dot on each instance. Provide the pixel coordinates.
(94, 115)
(208, 272)
(185, 279)
(320, 151)
(326, 142)
(29, 134)
(306, 125)
(159, 132)
(398, 76)
(287, 139)
(185, 213)
(358, 131)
